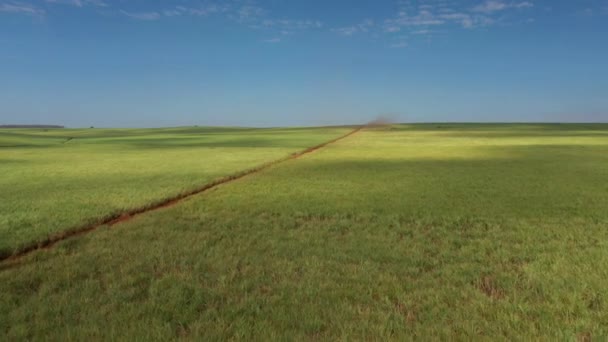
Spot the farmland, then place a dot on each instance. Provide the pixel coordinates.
(432, 231)
(58, 180)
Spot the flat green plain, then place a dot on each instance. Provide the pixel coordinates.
(434, 231)
(64, 179)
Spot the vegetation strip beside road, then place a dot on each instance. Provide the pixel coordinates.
(167, 202)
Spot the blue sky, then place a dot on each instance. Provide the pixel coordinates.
(110, 63)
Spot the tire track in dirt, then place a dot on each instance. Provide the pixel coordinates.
(168, 202)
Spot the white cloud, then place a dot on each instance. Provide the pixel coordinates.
(259, 18)
(422, 32)
(248, 13)
(364, 26)
(290, 24)
(172, 13)
(414, 16)
(424, 17)
(525, 4)
(346, 31)
(399, 45)
(201, 11)
(239, 11)
(79, 3)
(146, 16)
(491, 6)
(21, 8)
(462, 18)
(273, 40)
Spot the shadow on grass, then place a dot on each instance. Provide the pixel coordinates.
(530, 127)
(245, 142)
(13, 161)
(528, 182)
(508, 130)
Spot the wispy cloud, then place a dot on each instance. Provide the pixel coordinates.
(424, 17)
(593, 11)
(290, 24)
(411, 17)
(79, 3)
(491, 6)
(412, 14)
(248, 14)
(146, 16)
(272, 40)
(242, 12)
(421, 17)
(586, 12)
(399, 45)
(21, 8)
(364, 26)
(201, 11)
(422, 32)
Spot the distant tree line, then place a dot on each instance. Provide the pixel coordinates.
(31, 126)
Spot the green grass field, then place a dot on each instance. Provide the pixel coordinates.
(58, 180)
(442, 231)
